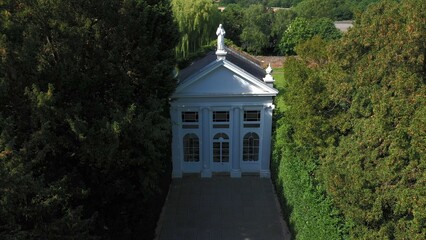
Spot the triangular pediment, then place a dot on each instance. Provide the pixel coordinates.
(223, 78)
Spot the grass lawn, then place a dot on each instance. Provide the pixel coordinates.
(279, 78)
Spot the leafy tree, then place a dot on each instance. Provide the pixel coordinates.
(302, 29)
(375, 169)
(269, 3)
(232, 19)
(255, 35)
(254, 40)
(84, 129)
(358, 7)
(225, 2)
(197, 21)
(302, 132)
(280, 23)
(351, 129)
(247, 3)
(255, 28)
(333, 9)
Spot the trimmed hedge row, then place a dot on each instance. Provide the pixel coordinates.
(308, 212)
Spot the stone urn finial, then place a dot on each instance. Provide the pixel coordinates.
(269, 69)
(268, 79)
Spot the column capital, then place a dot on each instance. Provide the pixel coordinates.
(269, 107)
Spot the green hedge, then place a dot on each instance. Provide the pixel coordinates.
(308, 212)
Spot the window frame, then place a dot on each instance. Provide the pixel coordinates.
(190, 124)
(246, 119)
(227, 118)
(221, 148)
(251, 147)
(191, 152)
(252, 123)
(196, 120)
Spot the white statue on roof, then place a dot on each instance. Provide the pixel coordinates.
(220, 32)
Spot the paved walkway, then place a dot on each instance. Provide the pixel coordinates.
(222, 208)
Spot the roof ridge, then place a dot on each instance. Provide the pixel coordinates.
(242, 60)
(246, 56)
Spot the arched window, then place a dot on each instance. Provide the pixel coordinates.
(251, 147)
(220, 135)
(220, 148)
(191, 148)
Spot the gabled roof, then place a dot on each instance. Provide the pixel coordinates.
(196, 66)
(234, 57)
(232, 76)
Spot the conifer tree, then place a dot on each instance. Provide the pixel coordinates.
(352, 132)
(84, 126)
(375, 169)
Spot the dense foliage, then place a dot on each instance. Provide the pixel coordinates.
(247, 26)
(261, 31)
(253, 27)
(197, 21)
(375, 168)
(258, 26)
(84, 129)
(332, 9)
(255, 34)
(299, 133)
(301, 30)
(269, 3)
(350, 138)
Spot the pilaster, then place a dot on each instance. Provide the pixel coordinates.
(236, 142)
(206, 172)
(266, 141)
(176, 156)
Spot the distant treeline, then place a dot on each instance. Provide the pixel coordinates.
(257, 28)
(334, 9)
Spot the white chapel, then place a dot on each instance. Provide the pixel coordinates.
(221, 114)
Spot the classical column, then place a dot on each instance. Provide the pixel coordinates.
(236, 143)
(176, 142)
(266, 142)
(206, 172)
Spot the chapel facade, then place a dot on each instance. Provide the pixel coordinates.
(221, 114)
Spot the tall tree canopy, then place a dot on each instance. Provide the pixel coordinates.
(232, 20)
(257, 22)
(375, 170)
(333, 9)
(197, 21)
(302, 29)
(258, 28)
(251, 27)
(352, 133)
(280, 23)
(84, 129)
(269, 3)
